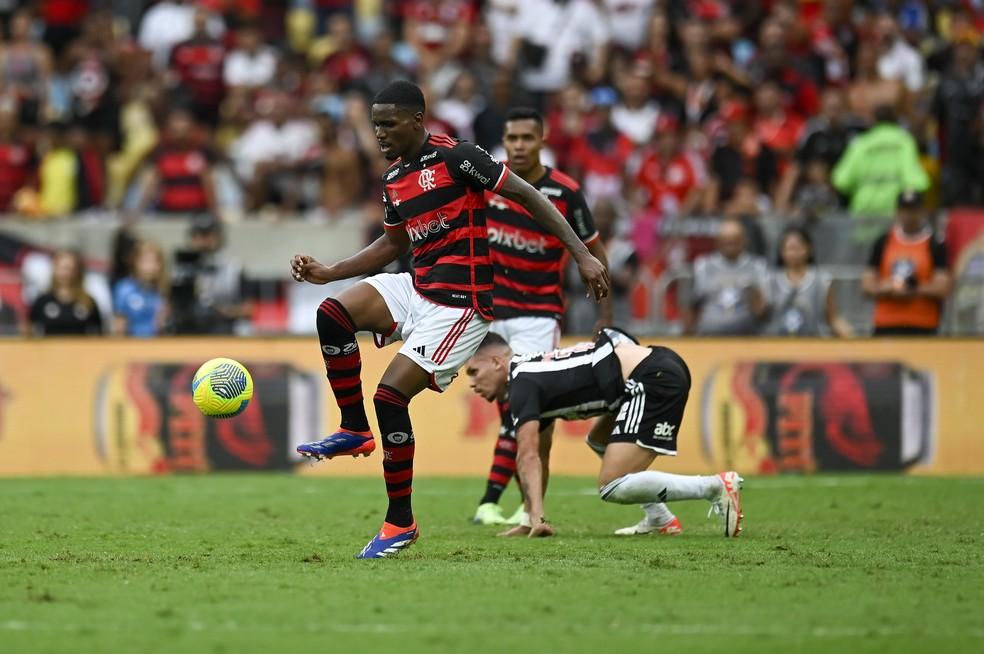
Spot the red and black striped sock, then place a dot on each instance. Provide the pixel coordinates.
(396, 435)
(343, 363)
(503, 460)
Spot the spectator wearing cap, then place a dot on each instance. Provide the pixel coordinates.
(907, 274)
(878, 165)
(671, 180)
(598, 157)
(208, 284)
(957, 107)
(179, 177)
(742, 156)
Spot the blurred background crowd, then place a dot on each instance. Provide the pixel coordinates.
(700, 130)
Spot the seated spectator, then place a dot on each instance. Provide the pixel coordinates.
(207, 284)
(776, 61)
(252, 64)
(800, 296)
(167, 24)
(271, 150)
(878, 165)
(25, 69)
(179, 178)
(728, 297)
(140, 300)
(741, 155)
(18, 164)
(599, 156)
(907, 274)
(93, 77)
(197, 66)
(671, 180)
(66, 308)
(343, 176)
(59, 173)
(897, 60)
(956, 106)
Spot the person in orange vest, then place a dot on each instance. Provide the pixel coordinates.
(907, 273)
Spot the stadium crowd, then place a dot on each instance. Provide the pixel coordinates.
(662, 109)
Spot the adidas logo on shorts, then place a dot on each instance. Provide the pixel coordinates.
(664, 431)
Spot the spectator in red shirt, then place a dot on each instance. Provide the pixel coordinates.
(180, 176)
(775, 126)
(671, 180)
(18, 164)
(348, 61)
(776, 62)
(197, 64)
(598, 157)
(438, 30)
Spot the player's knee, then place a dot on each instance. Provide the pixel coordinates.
(614, 490)
(387, 399)
(332, 318)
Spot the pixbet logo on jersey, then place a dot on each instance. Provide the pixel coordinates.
(517, 241)
(419, 230)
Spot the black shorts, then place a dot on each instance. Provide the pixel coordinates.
(656, 395)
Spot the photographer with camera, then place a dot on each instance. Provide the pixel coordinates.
(207, 288)
(907, 273)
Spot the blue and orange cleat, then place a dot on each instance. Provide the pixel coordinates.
(390, 541)
(341, 443)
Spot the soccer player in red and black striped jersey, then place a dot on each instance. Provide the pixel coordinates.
(434, 204)
(528, 262)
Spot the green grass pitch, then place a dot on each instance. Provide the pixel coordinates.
(253, 563)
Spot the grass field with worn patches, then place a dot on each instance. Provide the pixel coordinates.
(265, 564)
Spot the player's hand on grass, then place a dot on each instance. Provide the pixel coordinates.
(305, 268)
(542, 530)
(594, 275)
(518, 530)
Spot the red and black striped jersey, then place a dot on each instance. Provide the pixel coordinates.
(438, 198)
(529, 260)
(181, 172)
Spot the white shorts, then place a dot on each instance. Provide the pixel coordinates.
(438, 338)
(527, 335)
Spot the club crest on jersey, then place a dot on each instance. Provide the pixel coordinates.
(426, 179)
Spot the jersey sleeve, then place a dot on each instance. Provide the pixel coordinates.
(474, 167)
(580, 218)
(524, 401)
(391, 219)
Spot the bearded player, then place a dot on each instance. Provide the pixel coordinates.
(528, 262)
(638, 392)
(433, 203)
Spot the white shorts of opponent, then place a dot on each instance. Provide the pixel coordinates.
(438, 338)
(529, 334)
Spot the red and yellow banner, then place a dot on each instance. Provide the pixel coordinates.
(92, 407)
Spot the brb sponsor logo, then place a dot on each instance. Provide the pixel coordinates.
(334, 350)
(426, 179)
(468, 168)
(420, 229)
(516, 241)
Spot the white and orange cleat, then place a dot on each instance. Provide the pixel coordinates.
(728, 503)
(672, 528)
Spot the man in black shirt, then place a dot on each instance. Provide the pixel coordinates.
(639, 394)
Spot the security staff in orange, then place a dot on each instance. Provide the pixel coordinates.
(907, 274)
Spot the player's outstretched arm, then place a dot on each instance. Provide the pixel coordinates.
(375, 256)
(530, 473)
(593, 272)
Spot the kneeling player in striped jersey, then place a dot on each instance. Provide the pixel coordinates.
(639, 394)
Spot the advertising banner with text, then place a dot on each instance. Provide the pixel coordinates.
(115, 406)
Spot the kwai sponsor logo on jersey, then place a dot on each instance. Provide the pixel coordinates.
(421, 229)
(508, 238)
(467, 167)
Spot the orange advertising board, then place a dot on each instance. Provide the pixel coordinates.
(116, 406)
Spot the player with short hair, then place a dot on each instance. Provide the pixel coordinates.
(433, 204)
(528, 262)
(638, 392)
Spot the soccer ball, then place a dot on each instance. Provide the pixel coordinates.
(222, 388)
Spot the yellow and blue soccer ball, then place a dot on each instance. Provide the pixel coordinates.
(222, 388)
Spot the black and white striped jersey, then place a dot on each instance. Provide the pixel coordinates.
(571, 383)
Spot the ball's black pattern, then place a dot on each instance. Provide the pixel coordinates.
(228, 381)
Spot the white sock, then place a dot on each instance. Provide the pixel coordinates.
(657, 514)
(653, 486)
